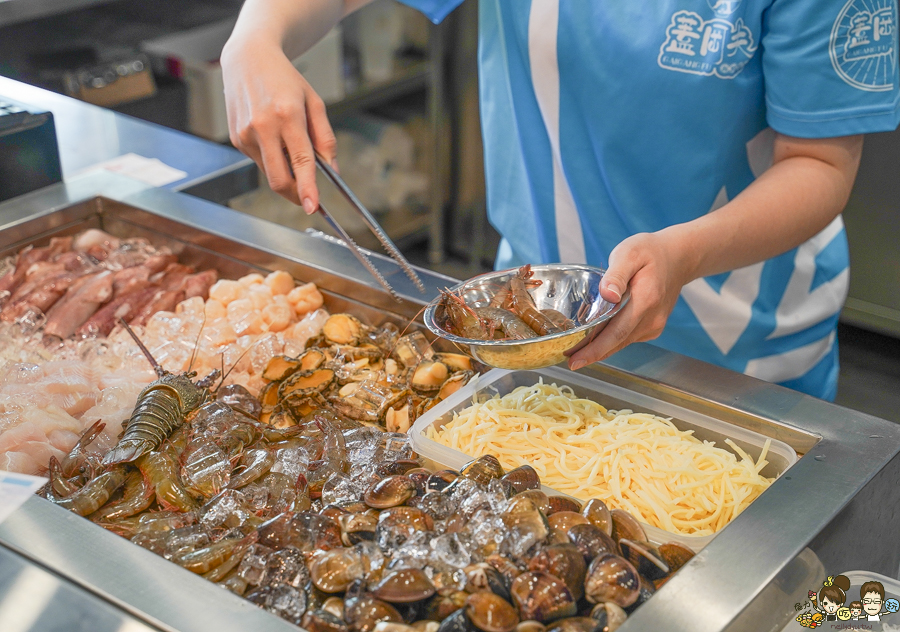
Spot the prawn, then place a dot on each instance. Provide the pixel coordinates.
(204, 559)
(161, 474)
(462, 319)
(523, 305)
(513, 326)
(95, 492)
(78, 460)
(254, 463)
(137, 496)
(161, 407)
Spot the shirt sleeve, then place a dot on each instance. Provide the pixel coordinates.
(830, 67)
(434, 10)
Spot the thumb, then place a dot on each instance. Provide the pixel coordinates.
(623, 264)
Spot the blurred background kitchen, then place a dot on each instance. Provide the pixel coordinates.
(402, 95)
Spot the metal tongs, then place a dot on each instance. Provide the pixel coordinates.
(332, 175)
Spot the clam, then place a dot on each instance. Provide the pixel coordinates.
(522, 478)
(441, 480)
(647, 590)
(526, 528)
(558, 536)
(400, 466)
(542, 597)
(412, 517)
(536, 496)
(573, 624)
(391, 626)
(563, 503)
(334, 605)
(404, 586)
(531, 626)
(675, 555)
(333, 571)
(457, 622)
(483, 577)
(591, 541)
(608, 616)
(612, 578)
(439, 607)
(323, 621)
(483, 469)
(596, 511)
(356, 527)
(419, 476)
(390, 492)
(505, 566)
(564, 561)
(564, 520)
(343, 329)
(491, 613)
(645, 558)
(363, 613)
(424, 625)
(626, 526)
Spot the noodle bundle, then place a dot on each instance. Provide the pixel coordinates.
(633, 461)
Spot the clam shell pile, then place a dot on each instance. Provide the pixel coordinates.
(368, 374)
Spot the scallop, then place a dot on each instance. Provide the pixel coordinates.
(343, 329)
(428, 376)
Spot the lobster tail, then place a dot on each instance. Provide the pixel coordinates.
(126, 451)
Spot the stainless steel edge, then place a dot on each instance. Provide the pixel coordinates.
(842, 450)
(147, 586)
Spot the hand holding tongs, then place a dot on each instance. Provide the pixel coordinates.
(332, 175)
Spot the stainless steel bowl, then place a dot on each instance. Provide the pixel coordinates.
(572, 289)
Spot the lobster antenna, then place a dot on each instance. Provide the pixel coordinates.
(161, 372)
(197, 343)
(236, 362)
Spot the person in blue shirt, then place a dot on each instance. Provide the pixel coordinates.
(701, 150)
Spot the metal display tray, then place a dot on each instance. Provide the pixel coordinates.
(841, 492)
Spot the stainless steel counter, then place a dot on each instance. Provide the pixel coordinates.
(833, 511)
(88, 135)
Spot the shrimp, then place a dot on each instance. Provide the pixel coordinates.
(60, 486)
(162, 475)
(95, 492)
(237, 554)
(559, 319)
(78, 460)
(254, 463)
(523, 305)
(137, 496)
(204, 559)
(161, 407)
(513, 326)
(462, 319)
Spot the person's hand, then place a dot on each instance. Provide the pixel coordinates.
(650, 266)
(276, 118)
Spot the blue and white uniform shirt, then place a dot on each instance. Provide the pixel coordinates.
(603, 119)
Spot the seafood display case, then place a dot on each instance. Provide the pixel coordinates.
(831, 511)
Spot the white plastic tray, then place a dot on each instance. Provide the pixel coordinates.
(780, 457)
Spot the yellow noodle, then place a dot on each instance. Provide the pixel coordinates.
(633, 461)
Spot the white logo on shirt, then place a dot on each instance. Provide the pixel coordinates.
(723, 8)
(707, 47)
(862, 44)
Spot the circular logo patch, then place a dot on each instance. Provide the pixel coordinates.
(863, 45)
